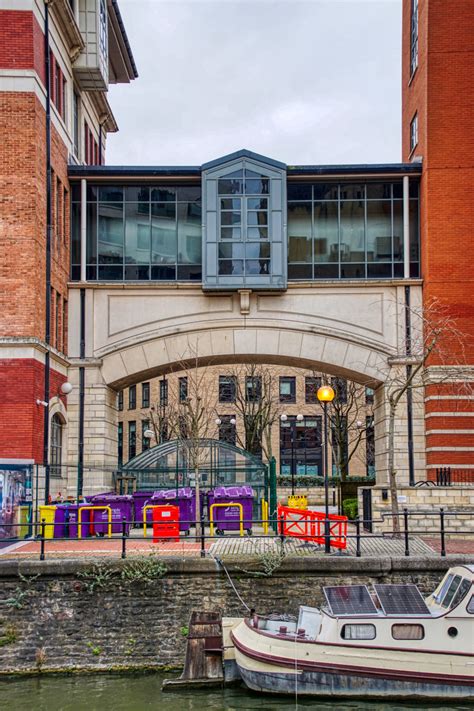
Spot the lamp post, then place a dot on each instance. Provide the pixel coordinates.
(326, 394)
(299, 418)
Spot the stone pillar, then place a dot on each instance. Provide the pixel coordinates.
(100, 429)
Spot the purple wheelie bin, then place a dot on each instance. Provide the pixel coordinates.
(227, 518)
(121, 506)
(140, 499)
(66, 521)
(185, 499)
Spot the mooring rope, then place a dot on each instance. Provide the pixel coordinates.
(219, 562)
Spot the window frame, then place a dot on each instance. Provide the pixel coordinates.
(414, 132)
(145, 395)
(132, 439)
(287, 380)
(358, 625)
(405, 625)
(56, 445)
(232, 385)
(132, 397)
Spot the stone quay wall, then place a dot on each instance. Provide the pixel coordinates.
(52, 621)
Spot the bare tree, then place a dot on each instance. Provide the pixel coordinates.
(257, 402)
(350, 417)
(434, 343)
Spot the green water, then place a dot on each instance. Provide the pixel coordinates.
(109, 692)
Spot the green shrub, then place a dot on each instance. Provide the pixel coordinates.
(349, 507)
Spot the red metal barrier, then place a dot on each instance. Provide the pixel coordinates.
(309, 526)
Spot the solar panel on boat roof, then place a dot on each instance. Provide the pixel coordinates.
(350, 600)
(401, 600)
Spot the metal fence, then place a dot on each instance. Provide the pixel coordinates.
(272, 532)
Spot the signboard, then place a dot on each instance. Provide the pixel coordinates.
(15, 491)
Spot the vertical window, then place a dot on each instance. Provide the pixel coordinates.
(56, 445)
(52, 311)
(163, 392)
(132, 397)
(253, 388)
(64, 325)
(75, 124)
(340, 389)
(183, 389)
(120, 443)
(227, 429)
(145, 440)
(120, 400)
(244, 246)
(227, 388)
(287, 389)
(64, 221)
(58, 214)
(145, 395)
(414, 36)
(57, 321)
(132, 439)
(414, 133)
(311, 387)
(103, 43)
(369, 396)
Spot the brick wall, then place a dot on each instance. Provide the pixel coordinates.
(441, 92)
(21, 419)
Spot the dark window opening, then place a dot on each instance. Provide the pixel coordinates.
(287, 389)
(227, 388)
(132, 397)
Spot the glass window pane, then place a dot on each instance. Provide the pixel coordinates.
(231, 203)
(257, 203)
(76, 233)
(299, 191)
(257, 250)
(231, 266)
(137, 272)
(91, 232)
(397, 190)
(189, 233)
(111, 193)
(163, 273)
(257, 187)
(229, 187)
(257, 218)
(352, 192)
(163, 234)
(379, 270)
(379, 231)
(111, 233)
(326, 271)
(300, 271)
(163, 194)
(260, 266)
(257, 233)
(191, 193)
(352, 231)
(325, 191)
(230, 233)
(299, 232)
(231, 250)
(137, 194)
(230, 218)
(379, 191)
(353, 271)
(191, 272)
(398, 231)
(326, 232)
(137, 233)
(110, 273)
(414, 232)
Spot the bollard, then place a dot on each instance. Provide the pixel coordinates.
(124, 537)
(443, 542)
(203, 538)
(43, 527)
(405, 519)
(357, 523)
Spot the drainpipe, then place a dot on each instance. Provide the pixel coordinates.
(411, 462)
(49, 228)
(82, 379)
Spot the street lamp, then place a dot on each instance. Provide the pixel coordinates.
(326, 394)
(284, 418)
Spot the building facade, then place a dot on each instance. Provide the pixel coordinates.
(295, 428)
(123, 273)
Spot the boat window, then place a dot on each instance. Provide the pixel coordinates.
(463, 589)
(446, 601)
(408, 631)
(470, 605)
(444, 586)
(358, 632)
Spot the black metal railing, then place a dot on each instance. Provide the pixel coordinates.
(446, 476)
(441, 531)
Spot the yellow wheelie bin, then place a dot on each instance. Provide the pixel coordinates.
(47, 513)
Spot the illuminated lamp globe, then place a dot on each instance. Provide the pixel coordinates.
(325, 393)
(148, 434)
(66, 388)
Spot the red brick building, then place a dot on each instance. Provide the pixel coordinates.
(81, 45)
(438, 129)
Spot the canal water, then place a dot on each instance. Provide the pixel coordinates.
(110, 692)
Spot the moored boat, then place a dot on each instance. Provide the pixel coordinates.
(383, 642)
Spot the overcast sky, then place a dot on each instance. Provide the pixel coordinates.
(301, 81)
